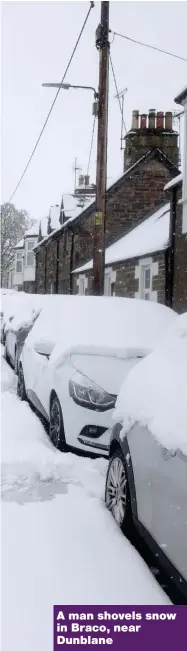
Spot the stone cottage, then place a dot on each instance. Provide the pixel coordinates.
(177, 192)
(150, 162)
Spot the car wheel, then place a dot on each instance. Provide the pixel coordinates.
(56, 425)
(117, 494)
(16, 362)
(21, 391)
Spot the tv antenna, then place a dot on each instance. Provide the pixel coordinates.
(76, 169)
(120, 97)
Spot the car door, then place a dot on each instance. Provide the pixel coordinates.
(161, 492)
(169, 500)
(35, 369)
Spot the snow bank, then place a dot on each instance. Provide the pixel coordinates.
(78, 322)
(8, 377)
(68, 551)
(27, 454)
(155, 392)
(29, 459)
(5, 291)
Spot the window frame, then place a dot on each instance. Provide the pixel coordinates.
(145, 292)
(84, 280)
(109, 282)
(19, 260)
(29, 250)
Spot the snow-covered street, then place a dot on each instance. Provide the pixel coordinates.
(59, 543)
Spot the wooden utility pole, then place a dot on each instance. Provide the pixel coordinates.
(102, 44)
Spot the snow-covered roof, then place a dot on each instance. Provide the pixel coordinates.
(19, 245)
(54, 214)
(150, 236)
(173, 182)
(181, 96)
(154, 393)
(73, 207)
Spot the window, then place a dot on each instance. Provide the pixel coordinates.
(19, 262)
(109, 282)
(82, 284)
(146, 284)
(29, 253)
(145, 272)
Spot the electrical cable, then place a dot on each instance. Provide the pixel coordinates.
(53, 103)
(152, 47)
(114, 76)
(91, 146)
(89, 157)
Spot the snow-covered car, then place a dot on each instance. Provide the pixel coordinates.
(19, 312)
(146, 483)
(75, 358)
(11, 304)
(15, 332)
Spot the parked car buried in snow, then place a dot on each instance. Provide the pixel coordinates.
(146, 482)
(75, 358)
(15, 332)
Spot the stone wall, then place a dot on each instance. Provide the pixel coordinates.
(127, 285)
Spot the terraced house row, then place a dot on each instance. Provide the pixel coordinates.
(146, 225)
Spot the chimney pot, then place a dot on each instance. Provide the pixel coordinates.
(168, 121)
(81, 179)
(143, 121)
(152, 119)
(135, 120)
(160, 120)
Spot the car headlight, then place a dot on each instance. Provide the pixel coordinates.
(87, 394)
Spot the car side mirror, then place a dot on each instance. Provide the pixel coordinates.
(43, 347)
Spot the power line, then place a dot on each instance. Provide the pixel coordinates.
(91, 146)
(89, 158)
(53, 103)
(117, 93)
(152, 47)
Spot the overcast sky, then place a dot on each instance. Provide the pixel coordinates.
(37, 40)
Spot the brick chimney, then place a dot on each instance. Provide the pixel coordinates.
(149, 132)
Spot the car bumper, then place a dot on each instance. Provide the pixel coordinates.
(86, 429)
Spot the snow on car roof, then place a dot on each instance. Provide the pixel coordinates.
(90, 322)
(151, 235)
(20, 306)
(154, 393)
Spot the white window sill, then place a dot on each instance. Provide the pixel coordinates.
(184, 217)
